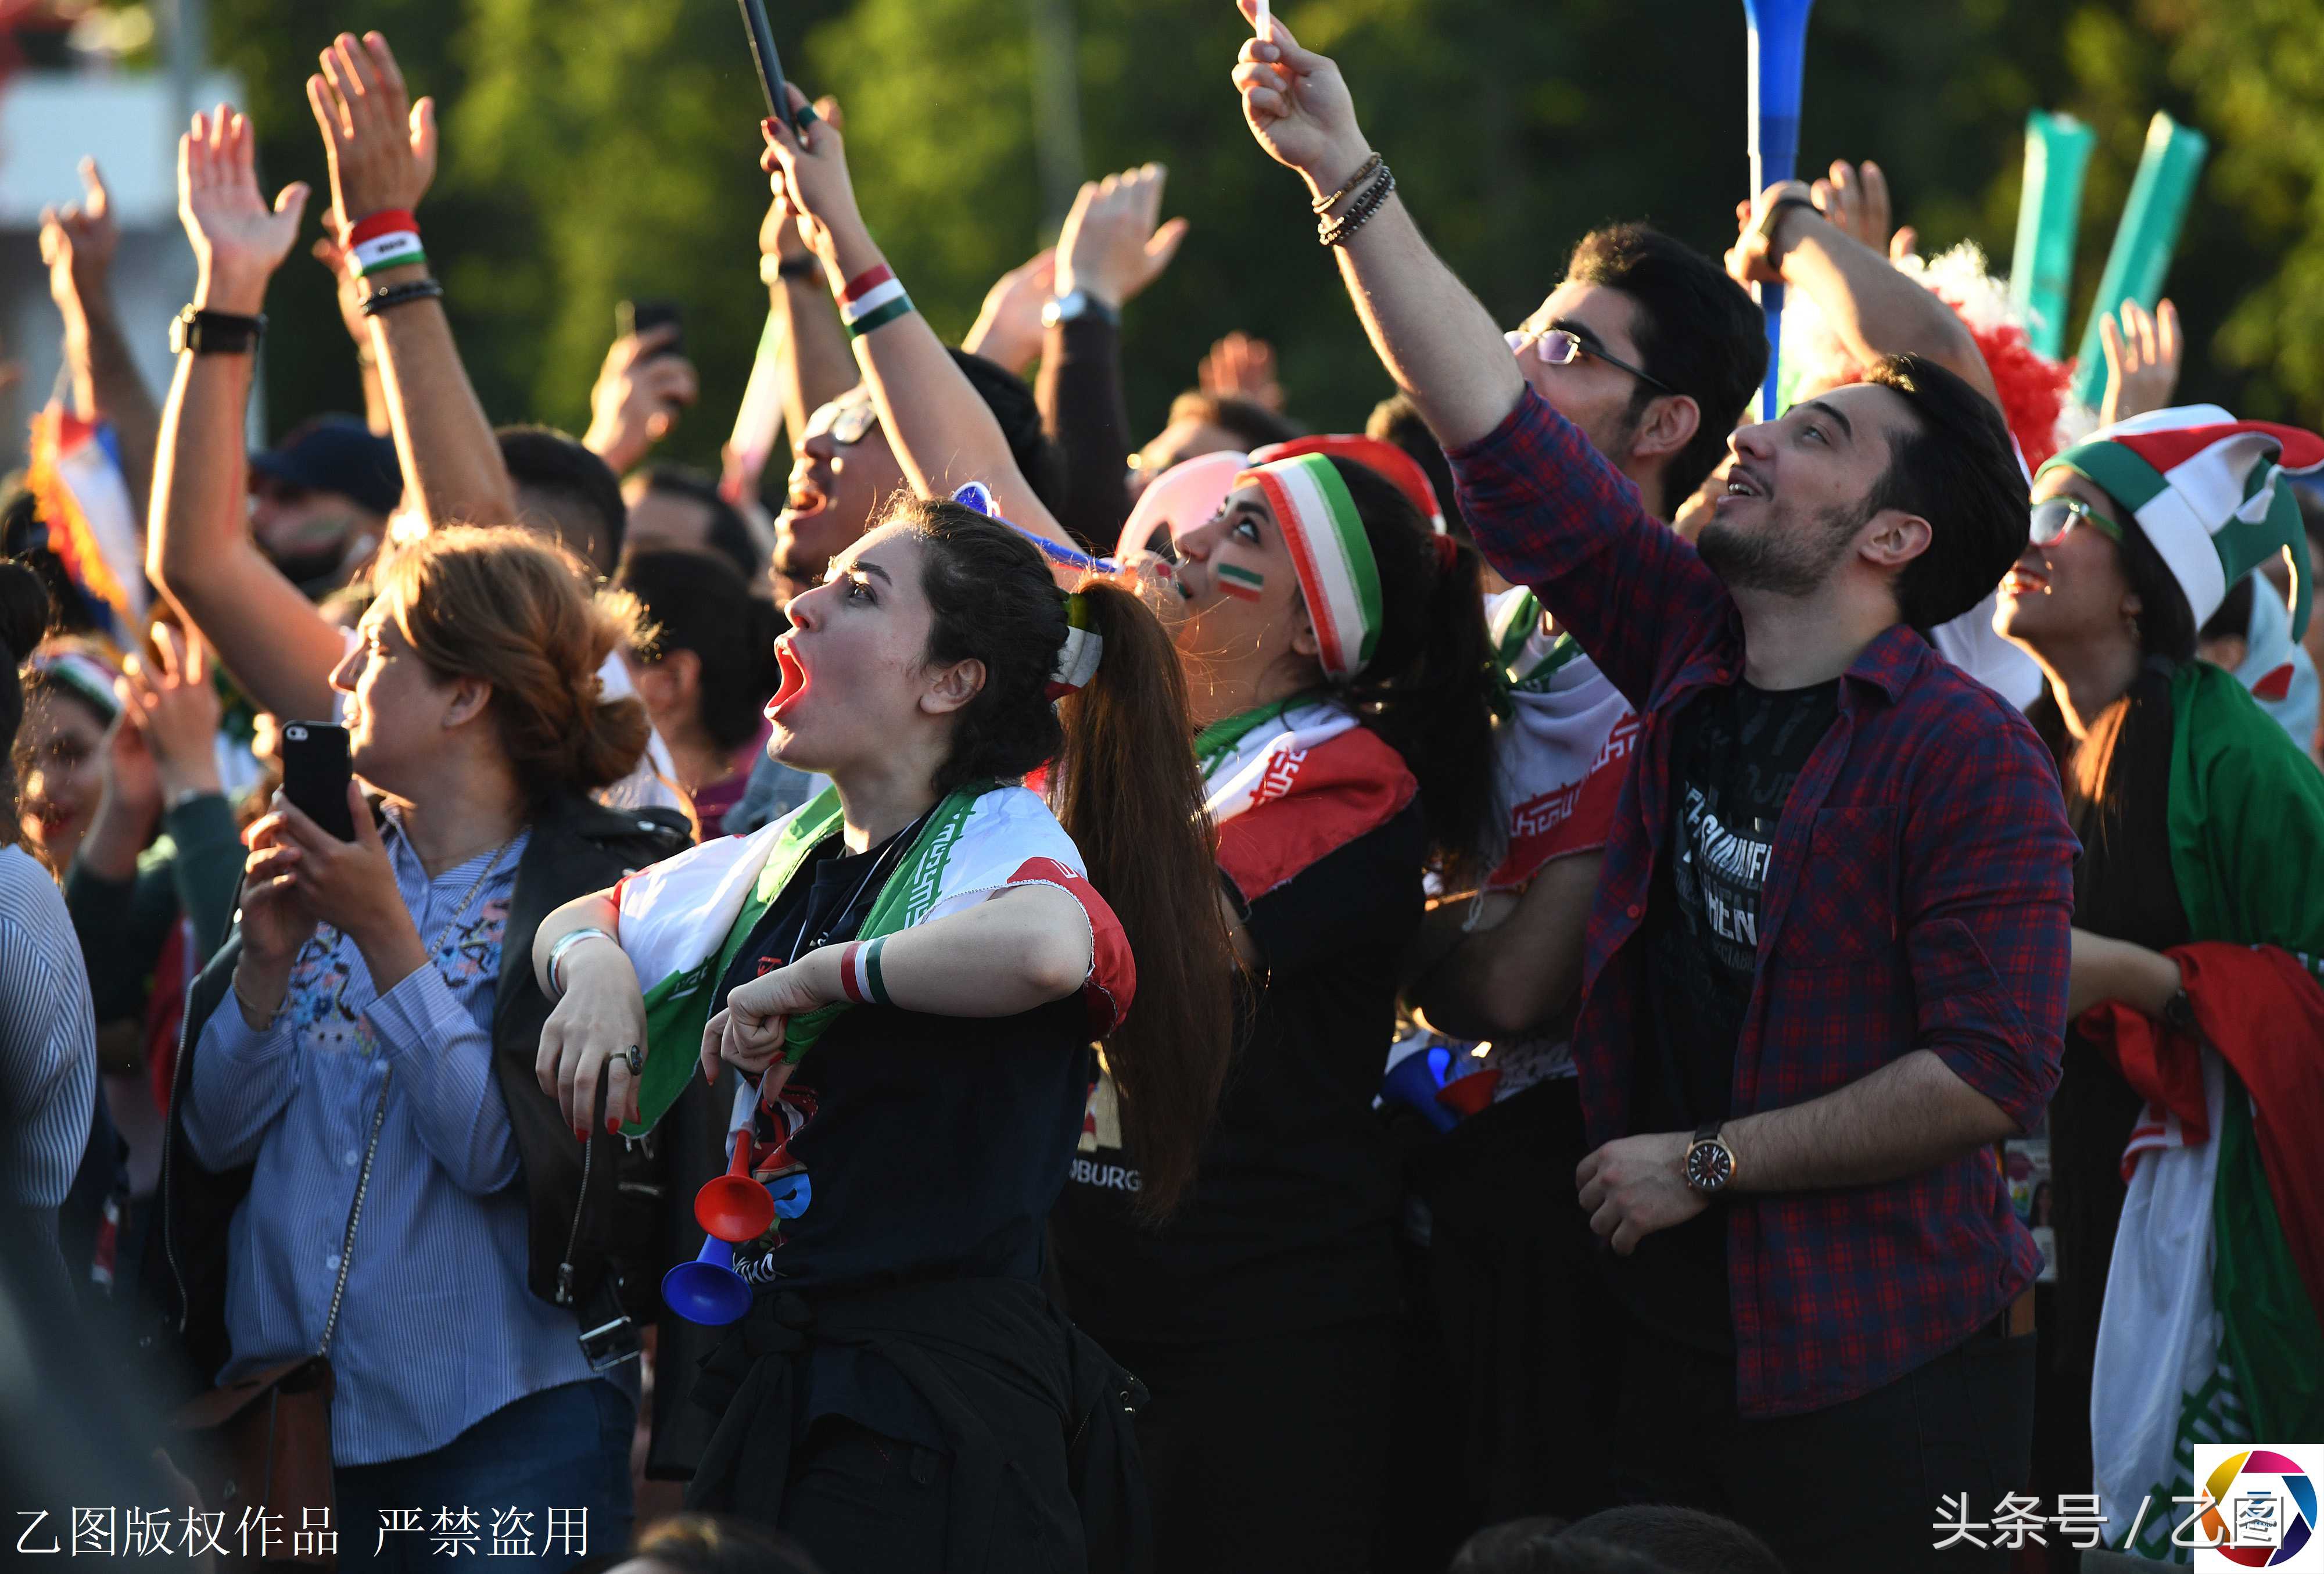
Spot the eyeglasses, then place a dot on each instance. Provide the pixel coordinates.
(846, 422)
(2054, 516)
(1563, 347)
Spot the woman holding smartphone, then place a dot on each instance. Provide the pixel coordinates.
(358, 1162)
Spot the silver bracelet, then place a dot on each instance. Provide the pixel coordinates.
(565, 942)
(249, 1011)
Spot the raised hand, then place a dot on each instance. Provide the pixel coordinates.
(381, 146)
(238, 239)
(638, 397)
(807, 169)
(347, 284)
(78, 242)
(1008, 329)
(779, 232)
(1297, 107)
(1241, 367)
(1110, 246)
(1855, 198)
(2143, 353)
(175, 709)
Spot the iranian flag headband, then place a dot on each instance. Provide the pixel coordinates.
(1331, 555)
(2209, 494)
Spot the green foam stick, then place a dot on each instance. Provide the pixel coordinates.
(2143, 241)
(2049, 213)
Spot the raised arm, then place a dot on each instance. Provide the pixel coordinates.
(197, 545)
(1435, 339)
(382, 150)
(1876, 309)
(942, 433)
(77, 244)
(1546, 509)
(1110, 250)
(817, 365)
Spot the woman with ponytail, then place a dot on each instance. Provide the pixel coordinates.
(1339, 673)
(366, 1036)
(909, 973)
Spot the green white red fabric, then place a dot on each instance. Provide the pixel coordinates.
(1289, 783)
(682, 921)
(1331, 555)
(1562, 750)
(2208, 493)
(2211, 1331)
(1377, 454)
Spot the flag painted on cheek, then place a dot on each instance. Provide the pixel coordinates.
(1243, 584)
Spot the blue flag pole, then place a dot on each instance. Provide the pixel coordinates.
(1778, 32)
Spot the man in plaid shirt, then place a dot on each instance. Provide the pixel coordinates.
(1826, 969)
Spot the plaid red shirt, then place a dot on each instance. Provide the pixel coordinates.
(1919, 896)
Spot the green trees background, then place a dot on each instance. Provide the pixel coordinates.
(598, 148)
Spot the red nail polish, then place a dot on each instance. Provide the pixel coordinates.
(580, 1134)
(614, 1124)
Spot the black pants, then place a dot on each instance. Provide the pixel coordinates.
(1264, 1456)
(1847, 1489)
(866, 1503)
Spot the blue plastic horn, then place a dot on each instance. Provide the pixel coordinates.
(1778, 32)
(707, 1290)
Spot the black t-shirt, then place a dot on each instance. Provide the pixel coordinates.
(1735, 754)
(1291, 1222)
(933, 1146)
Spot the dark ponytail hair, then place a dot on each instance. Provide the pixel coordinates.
(24, 608)
(1128, 793)
(695, 601)
(2093, 769)
(1428, 689)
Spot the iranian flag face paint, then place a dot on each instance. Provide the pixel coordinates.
(1233, 579)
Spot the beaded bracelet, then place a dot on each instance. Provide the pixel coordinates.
(1335, 233)
(1323, 205)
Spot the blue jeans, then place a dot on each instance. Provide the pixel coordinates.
(493, 1489)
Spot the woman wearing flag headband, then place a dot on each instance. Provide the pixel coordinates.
(2199, 821)
(1338, 665)
(912, 968)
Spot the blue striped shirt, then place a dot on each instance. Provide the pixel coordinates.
(438, 1329)
(47, 1042)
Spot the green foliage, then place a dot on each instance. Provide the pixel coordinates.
(597, 148)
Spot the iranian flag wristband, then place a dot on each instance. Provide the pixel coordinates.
(872, 300)
(388, 238)
(859, 973)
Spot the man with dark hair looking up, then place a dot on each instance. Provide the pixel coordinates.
(1827, 964)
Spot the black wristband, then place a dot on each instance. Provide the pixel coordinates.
(395, 295)
(214, 332)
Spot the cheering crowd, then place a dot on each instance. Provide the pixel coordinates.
(1460, 994)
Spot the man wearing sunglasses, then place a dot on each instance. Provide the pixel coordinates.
(844, 471)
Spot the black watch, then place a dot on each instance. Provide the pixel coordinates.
(1709, 1162)
(214, 332)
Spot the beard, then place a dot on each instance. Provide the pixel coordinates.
(1781, 558)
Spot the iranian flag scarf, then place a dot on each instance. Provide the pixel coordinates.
(1290, 782)
(1562, 750)
(684, 921)
(2211, 1328)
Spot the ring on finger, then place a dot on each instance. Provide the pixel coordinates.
(633, 1059)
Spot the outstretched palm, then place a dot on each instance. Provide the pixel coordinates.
(231, 226)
